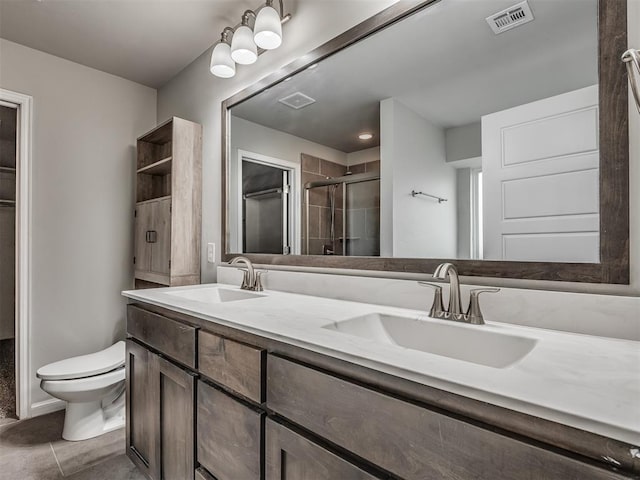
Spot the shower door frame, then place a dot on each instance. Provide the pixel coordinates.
(343, 181)
(24, 105)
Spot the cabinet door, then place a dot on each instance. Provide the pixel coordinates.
(139, 406)
(173, 390)
(161, 236)
(229, 436)
(290, 456)
(143, 224)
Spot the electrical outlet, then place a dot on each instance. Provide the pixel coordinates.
(211, 252)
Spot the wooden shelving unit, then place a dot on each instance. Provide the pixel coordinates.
(168, 204)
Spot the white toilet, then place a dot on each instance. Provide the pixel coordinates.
(93, 386)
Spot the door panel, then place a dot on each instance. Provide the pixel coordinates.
(540, 166)
(161, 246)
(143, 222)
(139, 406)
(173, 424)
(229, 436)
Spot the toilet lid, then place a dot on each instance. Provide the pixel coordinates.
(85, 365)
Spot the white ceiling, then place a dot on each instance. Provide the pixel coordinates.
(147, 41)
(444, 63)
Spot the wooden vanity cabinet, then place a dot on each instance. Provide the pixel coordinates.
(205, 402)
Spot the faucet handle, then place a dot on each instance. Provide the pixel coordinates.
(245, 278)
(437, 307)
(257, 286)
(474, 313)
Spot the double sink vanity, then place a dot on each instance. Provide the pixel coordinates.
(234, 384)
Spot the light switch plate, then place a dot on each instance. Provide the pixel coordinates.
(211, 252)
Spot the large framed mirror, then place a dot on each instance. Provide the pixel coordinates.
(490, 134)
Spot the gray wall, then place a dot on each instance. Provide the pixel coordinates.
(85, 123)
(412, 157)
(463, 142)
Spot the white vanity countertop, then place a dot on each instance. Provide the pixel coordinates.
(587, 382)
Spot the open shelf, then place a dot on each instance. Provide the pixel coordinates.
(7, 169)
(167, 197)
(161, 167)
(7, 202)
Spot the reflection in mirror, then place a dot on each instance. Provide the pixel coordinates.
(433, 138)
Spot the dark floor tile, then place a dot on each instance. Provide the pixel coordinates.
(29, 463)
(116, 468)
(32, 432)
(76, 456)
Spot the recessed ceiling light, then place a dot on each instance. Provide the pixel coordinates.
(365, 136)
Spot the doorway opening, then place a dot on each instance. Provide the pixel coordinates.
(16, 113)
(267, 203)
(8, 172)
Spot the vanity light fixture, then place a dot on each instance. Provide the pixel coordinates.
(365, 136)
(243, 44)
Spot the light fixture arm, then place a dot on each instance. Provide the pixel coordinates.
(224, 36)
(269, 3)
(246, 15)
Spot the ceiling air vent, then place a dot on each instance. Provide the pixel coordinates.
(297, 100)
(510, 18)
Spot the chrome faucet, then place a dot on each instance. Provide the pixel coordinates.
(251, 279)
(454, 311)
(443, 271)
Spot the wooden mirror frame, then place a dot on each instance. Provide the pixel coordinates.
(614, 164)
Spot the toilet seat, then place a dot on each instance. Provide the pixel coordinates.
(107, 360)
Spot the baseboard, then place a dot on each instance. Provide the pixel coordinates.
(47, 406)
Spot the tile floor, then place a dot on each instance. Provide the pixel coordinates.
(34, 450)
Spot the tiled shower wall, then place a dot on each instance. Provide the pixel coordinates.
(363, 218)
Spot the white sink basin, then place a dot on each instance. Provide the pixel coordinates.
(480, 344)
(215, 294)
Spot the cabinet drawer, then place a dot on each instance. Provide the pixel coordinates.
(174, 339)
(406, 439)
(235, 365)
(229, 436)
(290, 456)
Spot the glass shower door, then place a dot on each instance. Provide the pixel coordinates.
(362, 218)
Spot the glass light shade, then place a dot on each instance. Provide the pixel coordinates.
(222, 65)
(243, 48)
(268, 29)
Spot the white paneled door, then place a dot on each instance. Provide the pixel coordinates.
(540, 164)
